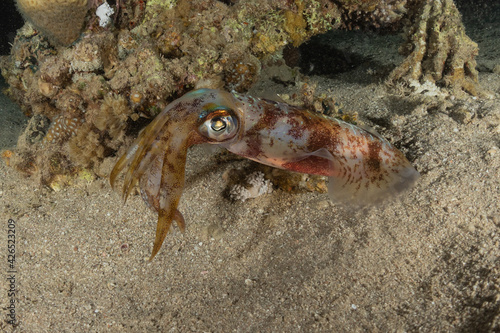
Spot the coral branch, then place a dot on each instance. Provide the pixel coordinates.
(437, 49)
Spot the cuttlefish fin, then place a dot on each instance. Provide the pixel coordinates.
(361, 191)
(356, 184)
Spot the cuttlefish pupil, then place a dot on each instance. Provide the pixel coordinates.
(361, 166)
(218, 124)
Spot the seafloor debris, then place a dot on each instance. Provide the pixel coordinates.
(156, 50)
(255, 185)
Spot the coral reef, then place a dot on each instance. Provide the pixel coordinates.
(377, 15)
(437, 49)
(61, 128)
(61, 21)
(111, 81)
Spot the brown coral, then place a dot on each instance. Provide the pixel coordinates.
(437, 49)
(85, 147)
(60, 20)
(113, 116)
(295, 24)
(242, 74)
(376, 15)
(61, 129)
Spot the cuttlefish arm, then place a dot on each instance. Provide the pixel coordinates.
(157, 159)
(362, 167)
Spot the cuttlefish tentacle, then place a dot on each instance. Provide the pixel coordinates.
(161, 187)
(362, 166)
(140, 155)
(170, 191)
(158, 161)
(158, 157)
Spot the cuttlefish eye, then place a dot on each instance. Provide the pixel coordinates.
(219, 125)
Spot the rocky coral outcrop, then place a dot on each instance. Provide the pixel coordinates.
(157, 50)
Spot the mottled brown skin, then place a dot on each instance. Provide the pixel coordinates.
(169, 161)
(359, 162)
(158, 158)
(362, 166)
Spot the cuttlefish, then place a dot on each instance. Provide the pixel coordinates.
(361, 166)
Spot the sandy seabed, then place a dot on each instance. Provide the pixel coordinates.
(428, 261)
